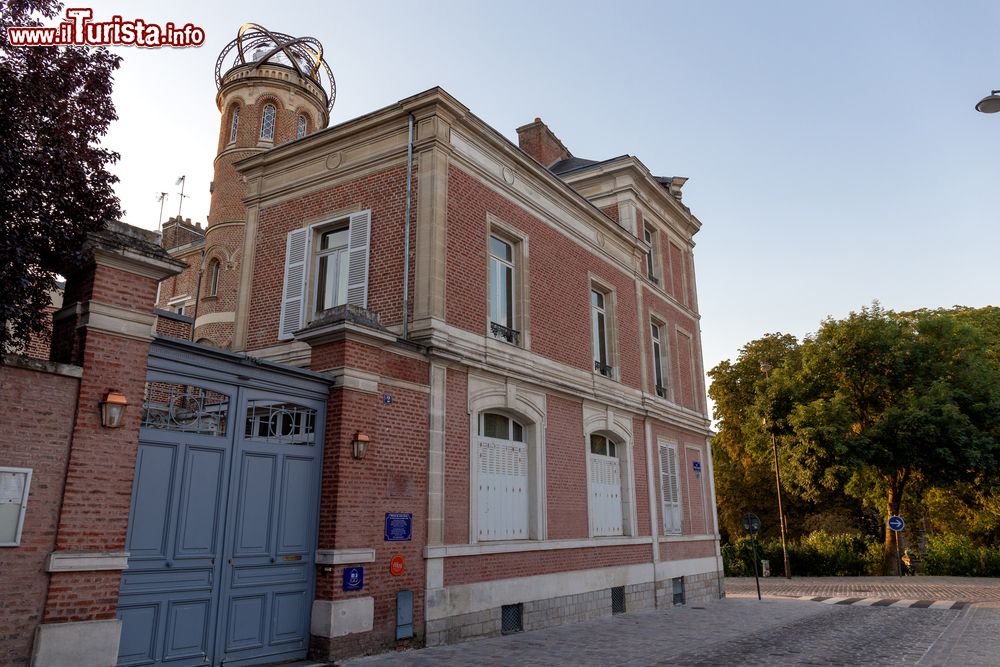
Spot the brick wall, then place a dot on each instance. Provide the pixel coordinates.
(560, 283)
(178, 231)
(184, 283)
(456, 459)
(357, 494)
(538, 141)
(40, 344)
(385, 194)
(42, 405)
(566, 467)
(471, 569)
(171, 324)
(693, 520)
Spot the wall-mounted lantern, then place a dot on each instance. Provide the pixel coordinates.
(359, 445)
(113, 409)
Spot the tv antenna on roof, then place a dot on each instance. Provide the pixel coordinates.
(162, 197)
(181, 182)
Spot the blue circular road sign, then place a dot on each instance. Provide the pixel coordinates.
(896, 523)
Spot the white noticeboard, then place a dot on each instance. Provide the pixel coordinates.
(14, 486)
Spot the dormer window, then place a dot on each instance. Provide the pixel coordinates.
(267, 123)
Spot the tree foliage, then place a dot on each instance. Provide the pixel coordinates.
(55, 105)
(869, 407)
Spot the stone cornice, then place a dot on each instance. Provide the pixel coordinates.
(462, 349)
(139, 264)
(86, 561)
(381, 136)
(109, 319)
(42, 366)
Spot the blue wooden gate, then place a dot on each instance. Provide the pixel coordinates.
(223, 522)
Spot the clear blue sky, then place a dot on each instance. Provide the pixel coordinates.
(833, 150)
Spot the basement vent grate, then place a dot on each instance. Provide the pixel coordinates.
(511, 618)
(618, 600)
(678, 589)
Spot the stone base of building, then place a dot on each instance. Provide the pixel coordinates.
(81, 644)
(334, 649)
(538, 614)
(692, 589)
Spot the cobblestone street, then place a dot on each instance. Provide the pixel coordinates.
(782, 629)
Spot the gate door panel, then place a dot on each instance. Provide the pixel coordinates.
(224, 514)
(175, 538)
(268, 575)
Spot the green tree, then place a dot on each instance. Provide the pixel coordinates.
(747, 409)
(882, 398)
(55, 105)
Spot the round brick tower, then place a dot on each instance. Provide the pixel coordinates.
(273, 89)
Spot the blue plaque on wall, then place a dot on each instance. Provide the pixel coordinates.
(398, 526)
(354, 578)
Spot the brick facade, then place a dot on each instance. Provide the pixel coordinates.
(418, 388)
(41, 399)
(558, 272)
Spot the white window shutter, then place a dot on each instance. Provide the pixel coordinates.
(357, 259)
(669, 488)
(293, 298)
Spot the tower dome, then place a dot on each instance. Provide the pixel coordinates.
(273, 88)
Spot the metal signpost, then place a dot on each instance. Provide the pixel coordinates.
(751, 524)
(897, 524)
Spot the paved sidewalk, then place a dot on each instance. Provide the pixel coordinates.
(966, 589)
(782, 630)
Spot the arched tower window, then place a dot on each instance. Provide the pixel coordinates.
(234, 125)
(213, 277)
(267, 123)
(301, 130)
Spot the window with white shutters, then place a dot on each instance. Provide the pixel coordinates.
(294, 296)
(605, 487)
(325, 266)
(502, 503)
(357, 258)
(670, 488)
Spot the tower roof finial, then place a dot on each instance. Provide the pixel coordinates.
(256, 45)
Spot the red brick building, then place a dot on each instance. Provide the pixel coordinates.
(514, 429)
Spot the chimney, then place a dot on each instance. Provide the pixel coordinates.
(676, 183)
(537, 140)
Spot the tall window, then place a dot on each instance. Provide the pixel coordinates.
(267, 123)
(300, 131)
(326, 265)
(599, 317)
(501, 277)
(655, 334)
(503, 499)
(213, 277)
(234, 126)
(670, 488)
(331, 269)
(605, 487)
(649, 236)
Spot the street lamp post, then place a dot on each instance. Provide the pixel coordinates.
(990, 103)
(766, 368)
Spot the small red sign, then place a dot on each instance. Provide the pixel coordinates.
(397, 565)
